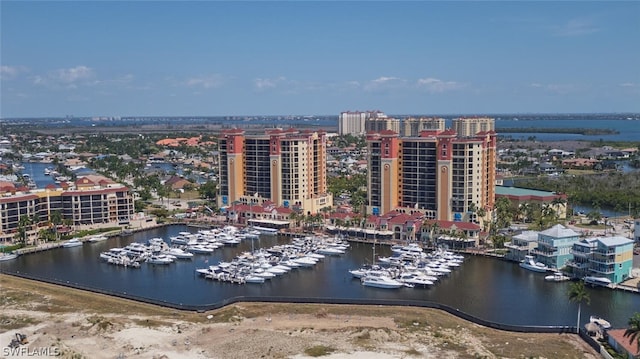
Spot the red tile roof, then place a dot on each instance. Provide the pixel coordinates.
(630, 346)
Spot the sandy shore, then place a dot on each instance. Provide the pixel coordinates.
(77, 324)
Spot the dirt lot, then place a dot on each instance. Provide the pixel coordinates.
(77, 324)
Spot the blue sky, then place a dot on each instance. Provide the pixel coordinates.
(119, 58)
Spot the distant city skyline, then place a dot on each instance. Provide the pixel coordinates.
(210, 58)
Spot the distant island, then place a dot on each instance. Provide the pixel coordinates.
(580, 131)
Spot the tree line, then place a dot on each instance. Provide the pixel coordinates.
(612, 190)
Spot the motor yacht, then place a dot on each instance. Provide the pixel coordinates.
(199, 249)
(97, 238)
(603, 281)
(178, 253)
(381, 281)
(74, 242)
(530, 264)
(414, 279)
(159, 259)
(556, 277)
(331, 251)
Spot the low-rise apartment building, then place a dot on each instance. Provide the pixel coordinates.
(603, 257)
(555, 246)
(91, 200)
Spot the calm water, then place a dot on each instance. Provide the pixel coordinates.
(628, 128)
(490, 289)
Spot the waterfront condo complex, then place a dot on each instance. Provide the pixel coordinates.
(284, 167)
(90, 200)
(440, 173)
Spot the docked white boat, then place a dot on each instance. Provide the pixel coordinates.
(199, 249)
(249, 233)
(305, 261)
(261, 272)
(600, 322)
(316, 256)
(556, 277)
(74, 242)
(265, 230)
(603, 281)
(253, 279)
(330, 251)
(276, 270)
(414, 279)
(367, 269)
(7, 256)
(530, 264)
(411, 248)
(159, 259)
(178, 253)
(381, 282)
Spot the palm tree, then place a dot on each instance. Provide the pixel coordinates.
(504, 212)
(56, 220)
(295, 217)
(633, 332)
(578, 294)
(24, 223)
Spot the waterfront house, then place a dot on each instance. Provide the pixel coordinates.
(604, 257)
(623, 345)
(582, 252)
(555, 245)
(521, 245)
(612, 258)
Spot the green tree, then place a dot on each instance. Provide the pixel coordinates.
(295, 217)
(434, 230)
(594, 215)
(504, 212)
(56, 219)
(208, 190)
(578, 294)
(24, 223)
(633, 332)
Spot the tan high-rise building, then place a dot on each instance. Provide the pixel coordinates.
(382, 123)
(439, 173)
(411, 127)
(286, 167)
(470, 126)
(354, 122)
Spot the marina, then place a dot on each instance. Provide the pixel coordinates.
(485, 287)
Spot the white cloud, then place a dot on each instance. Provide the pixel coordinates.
(72, 75)
(575, 27)
(66, 78)
(629, 84)
(264, 83)
(9, 72)
(206, 81)
(384, 83)
(434, 85)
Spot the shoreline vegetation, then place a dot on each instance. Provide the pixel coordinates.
(84, 324)
(578, 131)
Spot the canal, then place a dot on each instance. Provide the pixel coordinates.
(488, 288)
